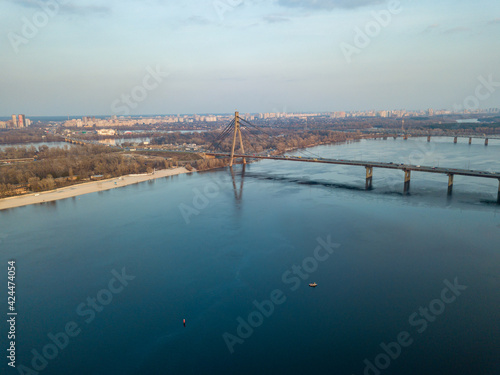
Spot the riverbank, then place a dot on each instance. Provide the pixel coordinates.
(86, 188)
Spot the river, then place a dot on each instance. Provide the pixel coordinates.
(406, 284)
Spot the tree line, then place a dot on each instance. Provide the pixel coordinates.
(277, 140)
(26, 136)
(62, 166)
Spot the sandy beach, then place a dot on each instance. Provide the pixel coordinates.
(85, 188)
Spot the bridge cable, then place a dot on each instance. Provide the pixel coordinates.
(309, 154)
(220, 138)
(256, 127)
(306, 153)
(225, 131)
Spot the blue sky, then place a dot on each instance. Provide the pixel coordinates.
(250, 55)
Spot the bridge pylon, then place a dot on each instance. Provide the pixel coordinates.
(237, 133)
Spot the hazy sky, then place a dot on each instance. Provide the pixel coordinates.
(80, 57)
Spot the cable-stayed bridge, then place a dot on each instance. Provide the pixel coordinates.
(234, 130)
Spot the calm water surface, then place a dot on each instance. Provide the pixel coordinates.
(393, 256)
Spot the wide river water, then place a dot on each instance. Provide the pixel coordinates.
(406, 284)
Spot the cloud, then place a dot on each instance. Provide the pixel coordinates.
(456, 30)
(328, 4)
(69, 7)
(276, 19)
(431, 28)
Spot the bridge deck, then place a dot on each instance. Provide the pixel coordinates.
(372, 164)
(403, 167)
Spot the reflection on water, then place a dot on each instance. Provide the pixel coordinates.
(238, 192)
(416, 151)
(51, 205)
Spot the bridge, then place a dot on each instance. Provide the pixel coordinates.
(455, 138)
(234, 128)
(407, 135)
(370, 165)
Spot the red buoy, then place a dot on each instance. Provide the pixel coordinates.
(184, 322)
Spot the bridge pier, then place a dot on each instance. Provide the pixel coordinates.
(450, 183)
(470, 140)
(498, 197)
(405, 137)
(486, 142)
(428, 138)
(455, 140)
(407, 181)
(369, 178)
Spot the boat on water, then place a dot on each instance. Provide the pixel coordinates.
(313, 285)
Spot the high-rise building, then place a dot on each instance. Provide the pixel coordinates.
(14, 121)
(22, 121)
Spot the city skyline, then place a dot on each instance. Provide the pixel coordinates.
(131, 58)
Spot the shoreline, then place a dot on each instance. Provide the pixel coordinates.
(85, 188)
(108, 184)
(102, 185)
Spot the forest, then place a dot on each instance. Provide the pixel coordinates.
(62, 166)
(26, 136)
